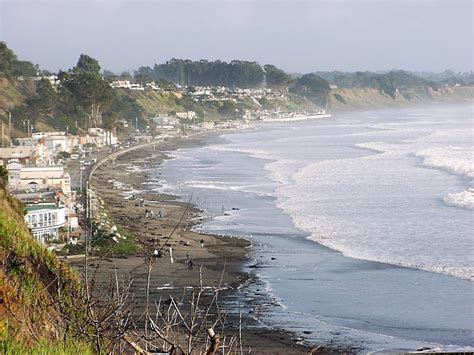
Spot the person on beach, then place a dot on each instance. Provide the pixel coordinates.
(190, 264)
(202, 243)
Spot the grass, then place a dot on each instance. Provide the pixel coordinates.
(104, 244)
(10, 345)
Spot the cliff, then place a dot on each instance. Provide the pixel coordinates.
(346, 99)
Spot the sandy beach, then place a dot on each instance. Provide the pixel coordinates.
(220, 259)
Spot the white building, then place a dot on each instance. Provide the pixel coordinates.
(165, 122)
(122, 84)
(45, 220)
(186, 115)
(22, 177)
(102, 137)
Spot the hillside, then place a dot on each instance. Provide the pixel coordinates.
(370, 98)
(38, 308)
(83, 97)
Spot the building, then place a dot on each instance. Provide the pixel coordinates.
(120, 84)
(165, 122)
(45, 220)
(101, 137)
(34, 178)
(186, 115)
(55, 141)
(22, 155)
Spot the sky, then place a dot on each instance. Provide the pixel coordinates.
(297, 36)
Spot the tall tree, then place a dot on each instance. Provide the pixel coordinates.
(7, 57)
(88, 65)
(312, 87)
(276, 77)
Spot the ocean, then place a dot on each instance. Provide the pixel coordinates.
(361, 225)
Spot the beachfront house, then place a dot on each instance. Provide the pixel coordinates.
(45, 220)
(165, 122)
(100, 137)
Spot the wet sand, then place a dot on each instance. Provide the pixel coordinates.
(220, 259)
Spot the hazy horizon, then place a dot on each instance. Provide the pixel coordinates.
(298, 37)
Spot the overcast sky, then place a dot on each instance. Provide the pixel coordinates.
(298, 36)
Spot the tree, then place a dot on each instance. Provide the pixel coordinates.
(312, 87)
(88, 65)
(84, 87)
(3, 177)
(45, 99)
(109, 74)
(7, 57)
(24, 68)
(276, 77)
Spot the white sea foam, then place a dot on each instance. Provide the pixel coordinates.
(321, 191)
(464, 199)
(455, 159)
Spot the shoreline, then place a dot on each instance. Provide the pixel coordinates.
(172, 278)
(361, 268)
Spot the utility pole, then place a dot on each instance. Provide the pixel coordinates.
(10, 127)
(81, 168)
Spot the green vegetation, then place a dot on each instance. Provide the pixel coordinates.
(312, 87)
(103, 244)
(11, 66)
(10, 345)
(237, 73)
(37, 292)
(387, 83)
(276, 78)
(82, 100)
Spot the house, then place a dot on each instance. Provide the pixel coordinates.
(165, 122)
(123, 84)
(55, 141)
(45, 220)
(22, 155)
(27, 177)
(101, 137)
(186, 115)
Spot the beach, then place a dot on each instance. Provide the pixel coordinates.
(296, 289)
(351, 221)
(218, 259)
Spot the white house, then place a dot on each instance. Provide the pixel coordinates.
(123, 84)
(102, 137)
(186, 115)
(165, 122)
(22, 177)
(45, 220)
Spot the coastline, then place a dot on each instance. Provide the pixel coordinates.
(218, 253)
(334, 270)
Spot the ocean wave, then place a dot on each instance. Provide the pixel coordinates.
(464, 199)
(454, 159)
(322, 191)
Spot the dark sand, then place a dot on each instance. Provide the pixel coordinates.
(220, 258)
